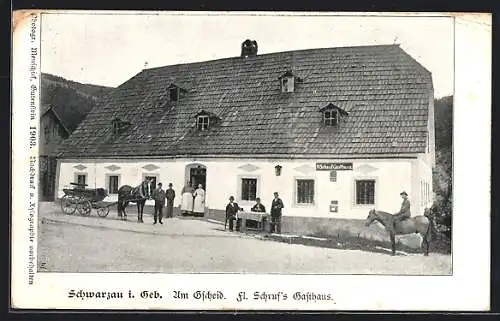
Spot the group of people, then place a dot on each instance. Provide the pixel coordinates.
(193, 200)
(276, 211)
(159, 196)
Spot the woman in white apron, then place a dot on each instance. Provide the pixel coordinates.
(187, 199)
(199, 201)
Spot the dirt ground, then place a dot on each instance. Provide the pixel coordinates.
(71, 243)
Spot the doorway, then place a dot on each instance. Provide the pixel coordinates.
(198, 175)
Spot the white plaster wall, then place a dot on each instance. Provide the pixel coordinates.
(392, 176)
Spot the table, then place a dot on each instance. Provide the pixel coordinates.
(260, 217)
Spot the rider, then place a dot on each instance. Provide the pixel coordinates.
(404, 212)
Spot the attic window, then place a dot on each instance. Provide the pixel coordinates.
(203, 122)
(332, 115)
(287, 82)
(119, 126)
(115, 123)
(174, 93)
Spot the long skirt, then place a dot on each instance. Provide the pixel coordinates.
(187, 203)
(199, 204)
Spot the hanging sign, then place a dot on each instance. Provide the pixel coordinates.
(334, 166)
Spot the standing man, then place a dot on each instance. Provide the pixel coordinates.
(170, 194)
(159, 197)
(404, 212)
(276, 207)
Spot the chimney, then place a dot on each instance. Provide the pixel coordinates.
(249, 48)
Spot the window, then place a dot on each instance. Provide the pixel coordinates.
(365, 192)
(203, 122)
(333, 176)
(330, 117)
(174, 93)
(305, 191)
(46, 133)
(81, 179)
(113, 184)
(248, 189)
(287, 84)
(116, 126)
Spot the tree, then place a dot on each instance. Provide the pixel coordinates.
(443, 172)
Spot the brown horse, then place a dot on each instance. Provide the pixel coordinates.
(128, 194)
(419, 224)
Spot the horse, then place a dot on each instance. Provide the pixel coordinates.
(131, 194)
(421, 224)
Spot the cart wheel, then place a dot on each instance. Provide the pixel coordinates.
(103, 211)
(84, 207)
(68, 204)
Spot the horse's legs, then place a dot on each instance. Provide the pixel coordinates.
(425, 245)
(393, 243)
(119, 209)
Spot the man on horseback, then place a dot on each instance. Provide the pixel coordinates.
(404, 213)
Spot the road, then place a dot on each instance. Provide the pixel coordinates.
(71, 243)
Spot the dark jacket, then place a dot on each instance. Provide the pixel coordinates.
(276, 206)
(170, 194)
(232, 209)
(159, 196)
(405, 209)
(258, 208)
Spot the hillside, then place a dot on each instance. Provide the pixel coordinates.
(70, 99)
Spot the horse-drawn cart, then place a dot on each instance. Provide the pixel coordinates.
(83, 200)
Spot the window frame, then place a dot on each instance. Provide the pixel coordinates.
(115, 126)
(249, 199)
(329, 121)
(296, 180)
(354, 190)
(75, 178)
(239, 186)
(287, 84)
(107, 178)
(198, 122)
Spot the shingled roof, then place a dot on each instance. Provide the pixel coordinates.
(385, 92)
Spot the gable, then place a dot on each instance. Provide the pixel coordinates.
(384, 90)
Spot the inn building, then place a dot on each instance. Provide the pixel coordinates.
(336, 131)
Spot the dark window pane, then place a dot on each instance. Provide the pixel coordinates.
(113, 184)
(305, 191)
(248, 189)
(365, 192)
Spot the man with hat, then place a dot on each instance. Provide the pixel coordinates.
(159, 197)
(170, 194)
(404, 212)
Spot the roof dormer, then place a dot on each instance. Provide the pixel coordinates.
(175, 92)
(205, 119)
(119, 126)
(287, 81)
(332, 115)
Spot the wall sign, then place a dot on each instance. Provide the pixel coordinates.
(334, 166)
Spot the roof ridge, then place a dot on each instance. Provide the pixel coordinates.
(272, 53)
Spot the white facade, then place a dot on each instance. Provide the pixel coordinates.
(224, 178)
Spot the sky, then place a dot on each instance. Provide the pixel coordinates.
(108, 49)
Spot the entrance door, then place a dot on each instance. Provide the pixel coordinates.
(197, 176)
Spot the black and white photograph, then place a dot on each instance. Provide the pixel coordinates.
(243, 144)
